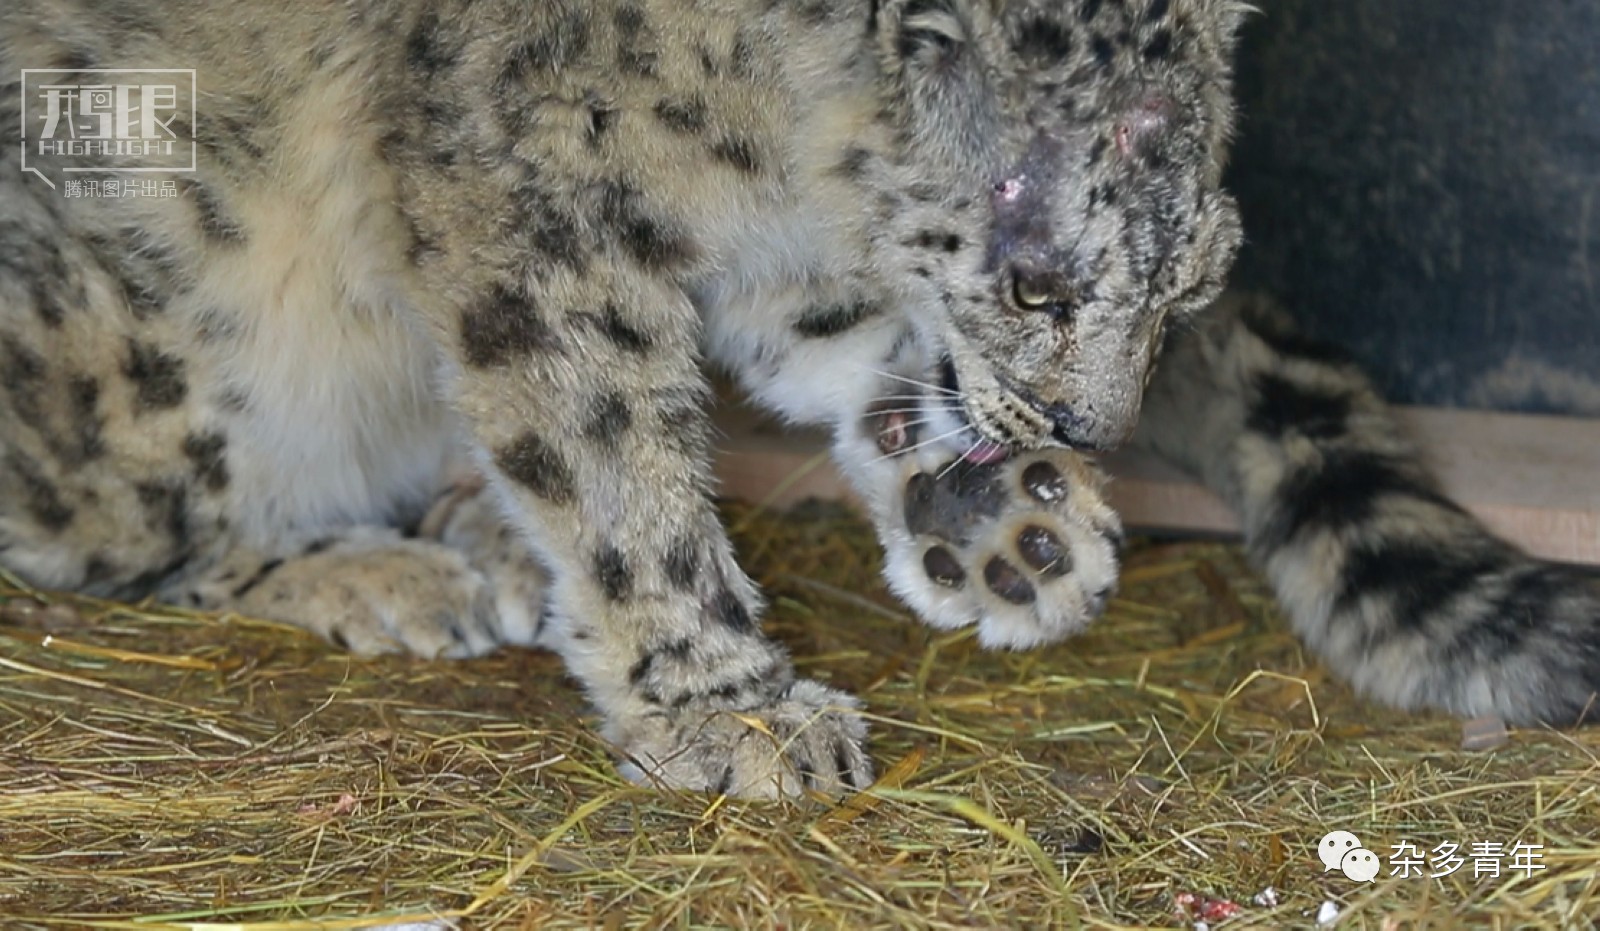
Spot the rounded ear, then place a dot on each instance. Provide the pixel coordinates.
(919, 34)
(1228, 15)
(934, 80)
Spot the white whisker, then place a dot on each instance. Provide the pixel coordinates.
(910, 410)
(905, 426)
(923, 445)
(958, 460)
(906, 397)
(912, 381)
(929, 442)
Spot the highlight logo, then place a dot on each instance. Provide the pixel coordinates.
(103, 120)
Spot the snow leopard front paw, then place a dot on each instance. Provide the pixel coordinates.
(802, 736)
(1026, 548)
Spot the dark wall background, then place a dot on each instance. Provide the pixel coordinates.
(1420, 181)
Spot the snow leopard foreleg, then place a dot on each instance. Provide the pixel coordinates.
(594, 428)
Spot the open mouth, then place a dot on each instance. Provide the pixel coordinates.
(972, 445)
(937, 420)
(985, 452)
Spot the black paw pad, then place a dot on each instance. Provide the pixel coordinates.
(949, 506)
(1045, 482)
(942, 567)
(1042, 550)
(920, 504)
(1006, 580)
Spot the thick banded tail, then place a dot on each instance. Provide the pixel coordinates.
(1396, 587)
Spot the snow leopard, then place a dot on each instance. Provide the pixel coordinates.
(415, 355)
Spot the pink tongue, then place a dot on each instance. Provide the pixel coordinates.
(986, 452)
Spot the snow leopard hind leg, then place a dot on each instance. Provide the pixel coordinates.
(1396, 587)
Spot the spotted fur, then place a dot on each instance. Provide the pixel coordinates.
(415, 360)
(1394, 585)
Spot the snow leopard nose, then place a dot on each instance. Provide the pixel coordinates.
(1096, 421)
(1088, 431)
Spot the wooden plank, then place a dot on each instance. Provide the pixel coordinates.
(1534, 480)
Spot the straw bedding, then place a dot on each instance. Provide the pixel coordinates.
(1177, 764)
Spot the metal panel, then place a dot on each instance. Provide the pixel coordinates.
(1421, 182)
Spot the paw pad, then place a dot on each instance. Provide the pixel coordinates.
(919, 505)
(952, 503)
(1044, 551)
(1021, 548)
(943, 567)
(1045, 482)
(1006, 581)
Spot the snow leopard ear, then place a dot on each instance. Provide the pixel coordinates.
(1224, 16)
(934, 71)
(917, 35)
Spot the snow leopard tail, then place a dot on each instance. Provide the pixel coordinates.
(1397, 588)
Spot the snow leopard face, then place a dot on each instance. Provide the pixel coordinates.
(1064, 207)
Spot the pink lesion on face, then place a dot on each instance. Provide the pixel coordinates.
(1124, 137)
(1141, 128)
(1010, 190)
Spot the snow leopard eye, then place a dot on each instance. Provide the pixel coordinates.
(1050, 293)
(1029, 293)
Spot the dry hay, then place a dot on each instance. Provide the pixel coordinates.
(160, 768)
